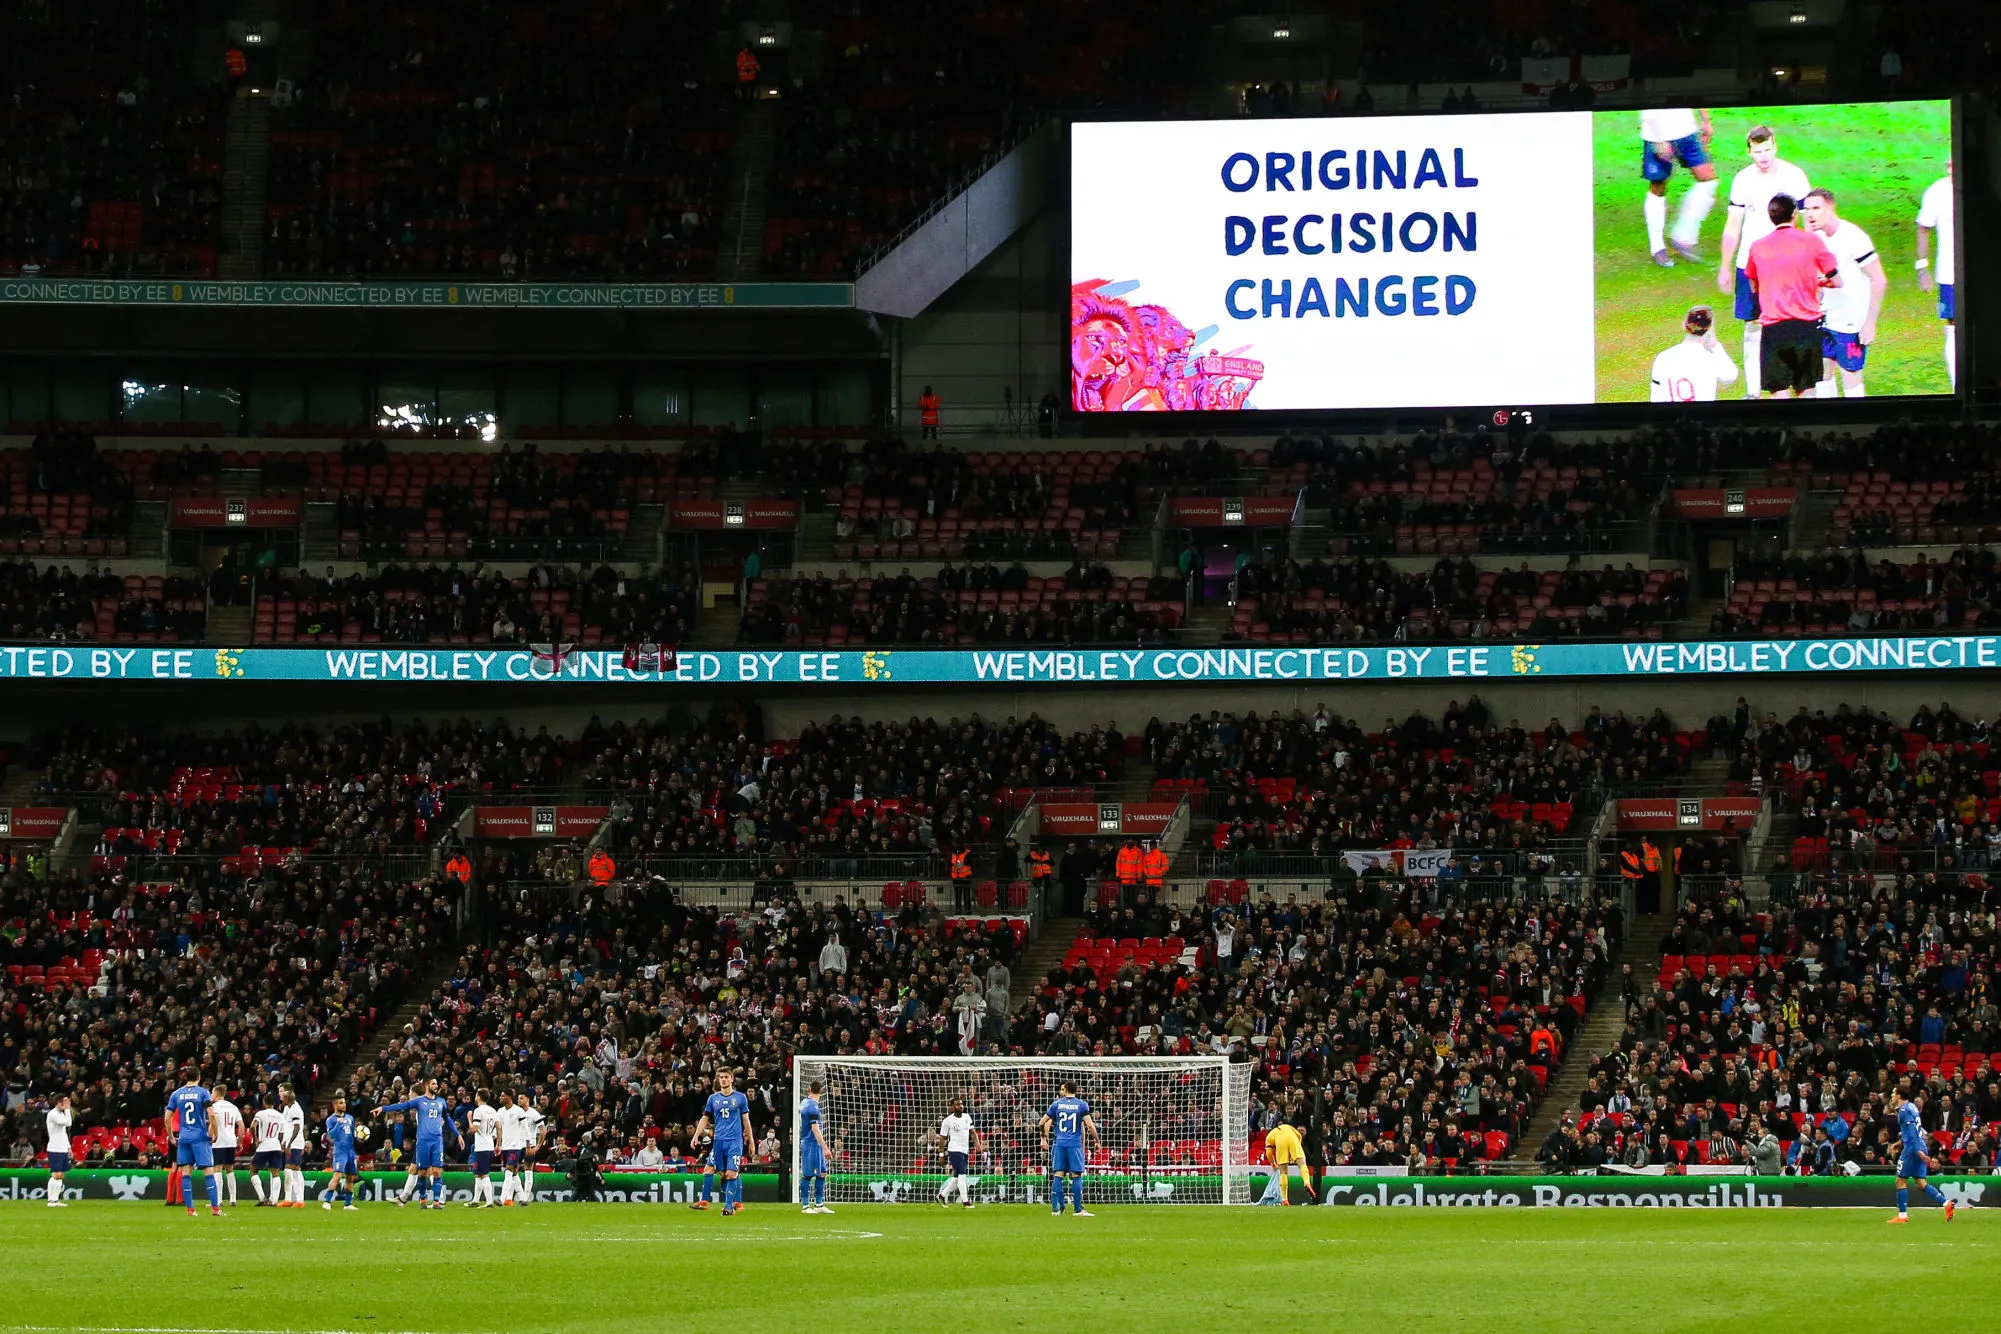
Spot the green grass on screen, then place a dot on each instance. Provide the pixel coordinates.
(901, 1269)
(1877, 158)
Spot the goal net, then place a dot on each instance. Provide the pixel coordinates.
(1172, 1130)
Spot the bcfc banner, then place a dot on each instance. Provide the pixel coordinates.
(1510, 259)
(891, 667)
(147, 1186)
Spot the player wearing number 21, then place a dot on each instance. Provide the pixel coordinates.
(1064, 1128)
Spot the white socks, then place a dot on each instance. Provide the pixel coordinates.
(963, 1184)
(1952, 355)
(1754, 342)
(229, 1184)
(257, 1184)
(1655, 207)
(409, 1185)
(1695, 206)
(295, 1185)
(55, 1190)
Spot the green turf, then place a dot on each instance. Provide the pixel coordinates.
(123, 1267)
(1877, 158)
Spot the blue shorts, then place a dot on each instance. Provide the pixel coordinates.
(1747, 298)
(812, 1162)
(1067, 1158)
(194, 1153)
(1845, 350)
(430, 1153)
(267, 1160)
(347, 1165)
(1947, 307)
(1912, 1164)
(1687, 150)
(225, 1157)
(58, 1162)
(510, 1157)
(482, 1162)
(727, 1157)
(958, 1162)
(295, 1157)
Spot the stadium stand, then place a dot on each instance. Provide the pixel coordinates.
(1318, 602)
(621, 1011)
(102, 975)
(981, 604)
(114, 155)
(1425, 1039)
(1795, 1021)
(450, 605)
(455, 141)
(1843, 593)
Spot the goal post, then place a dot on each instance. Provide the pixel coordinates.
(1171, 1130)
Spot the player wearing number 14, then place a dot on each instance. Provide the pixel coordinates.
(1064, 1128)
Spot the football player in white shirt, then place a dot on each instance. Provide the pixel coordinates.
(1935, 219)
(228, 1138)
(1692, 370)
(58, 1124)
(1669, 135)
(957, 1137)
(530, 1122)
(484, 1123)
(267, 1133)
(1750, 194)
(1852, 308)
(292, 1139)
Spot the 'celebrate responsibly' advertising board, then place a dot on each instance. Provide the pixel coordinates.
(1440, 261)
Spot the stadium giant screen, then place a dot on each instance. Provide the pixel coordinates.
(1678, 255)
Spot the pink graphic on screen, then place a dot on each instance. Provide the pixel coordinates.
(1139, 358)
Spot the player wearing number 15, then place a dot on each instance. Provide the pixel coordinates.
(1064, 1128)
(727, 1114)
(190, 1119)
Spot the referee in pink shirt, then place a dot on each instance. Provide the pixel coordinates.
(1788, 270)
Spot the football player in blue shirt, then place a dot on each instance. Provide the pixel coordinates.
(727, 1115)
(1913, 1161)
(812, 1153)
(1064, 1127)
(190, 1120)
(432, 1122)
(342, 1160)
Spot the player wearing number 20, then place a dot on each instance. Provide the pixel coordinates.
(1064, 1127)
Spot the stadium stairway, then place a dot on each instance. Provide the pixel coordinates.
(425, 989)
(228, 625)
(1604, 1025)
(1043, 952)
(245, 179)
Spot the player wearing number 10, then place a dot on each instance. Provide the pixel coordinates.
(1064, 1127)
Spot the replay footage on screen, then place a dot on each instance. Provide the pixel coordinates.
(1684, 254)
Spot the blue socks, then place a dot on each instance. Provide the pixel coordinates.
(1938, 1196)
(1077, 1192)
(708, 1182)
(214, 1190)
(1056, 1195)
(816, 1190)
(1904, 1200)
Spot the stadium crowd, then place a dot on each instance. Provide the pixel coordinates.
(430, 604)
(111, 984)
(976, 604)
(1775, 1038)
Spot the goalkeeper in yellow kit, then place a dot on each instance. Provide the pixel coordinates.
(1285, 1153)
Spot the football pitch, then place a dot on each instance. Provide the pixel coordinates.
(127, 1269)
(1877, 158)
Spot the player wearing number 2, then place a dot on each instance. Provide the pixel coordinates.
(1064, 1128)
(190, 1119)
(1692, 370)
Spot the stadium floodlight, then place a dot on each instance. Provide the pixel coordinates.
(1797, 16)
(1171, 1129)
(1281, 33)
